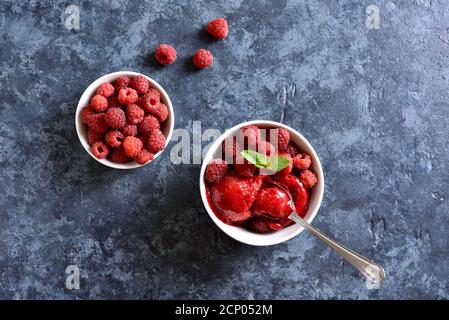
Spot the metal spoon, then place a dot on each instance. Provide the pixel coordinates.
(372, 271)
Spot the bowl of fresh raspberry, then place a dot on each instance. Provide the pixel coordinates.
(255, 176)
(124, 119)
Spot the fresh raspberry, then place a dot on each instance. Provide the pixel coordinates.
(150, 99)
(99, 103)
(114, 138)
(216, 170)
(97, 123)
(115, 118)
(245, 169)
(144, 156)
(132, 146)
(289, 168)
(119, 156)
(308, 178)
(202, 58)
(105, 89)
(127, 96)
(292, 149)
(140, 84)
(129, 130)
(134, 113)
(156, 141)
(283, 137)
(149, 123)
(121, 83)
(160, 111)
(165, 54)
(249, 136)
(93, 136)
(113, 102)
(86, 112)
(266, 148)
(302, 161)
(230, 150)
(218, 28)
(100, 150)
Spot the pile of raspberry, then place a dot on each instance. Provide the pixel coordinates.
(124, 120)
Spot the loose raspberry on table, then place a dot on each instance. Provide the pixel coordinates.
(292, 149)
(283, 138)
(93, 136)
(128, 96)
(121, 83)
(132, 146)
(148, 123)
(134, 113)
(105, 89)
(99, 103)
(113, 102)
(129, 130)
(114, 138)
(115, 118)
(308, 178)
(86, 112)
(165, 54)
(100, 149)
(216, 170)
(160, 111)
(97, 123)
(150, 99)
(218, 28)
(302, 161)
(119, 156)
(140, 84)
(144, 156)
(202, 58)
(156, 141)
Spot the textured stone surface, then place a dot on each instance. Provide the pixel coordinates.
(373, 103)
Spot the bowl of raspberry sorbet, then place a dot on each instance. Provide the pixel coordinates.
(255, 175)
(124, 120)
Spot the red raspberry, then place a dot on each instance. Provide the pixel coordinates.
(100, 150)
(115, 118)
(129, 130)
(292, 149)
(132, 146)
(245, 169)
(99, 103)
(86, 112)
(250, 136)
(119, 156)
(283, 137)
(105, 89)
(218, 28)
(121, 83)
(302, 161)
(160, 111)
(289, 168)
(134, 113)
(114, 138)
(165, 54)
(144, 156)
(308, 178)
(127, 96)
(97, 123)
(149, 123)
(113, 102)
(140, 84)
(156, 141)
(150, 99)
(202, 58)
(216, 170)
(231, 150)
(93, 136)
(266, 148)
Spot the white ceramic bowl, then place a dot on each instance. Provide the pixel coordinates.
(274, 237)
(81, 130)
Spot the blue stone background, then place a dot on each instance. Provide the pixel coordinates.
(372, 102)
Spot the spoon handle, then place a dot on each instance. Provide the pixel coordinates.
(368, 268)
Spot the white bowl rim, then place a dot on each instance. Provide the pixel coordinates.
(84, 99)
(252, 238)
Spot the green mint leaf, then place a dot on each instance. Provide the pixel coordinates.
(254, 157)
(277, 163)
